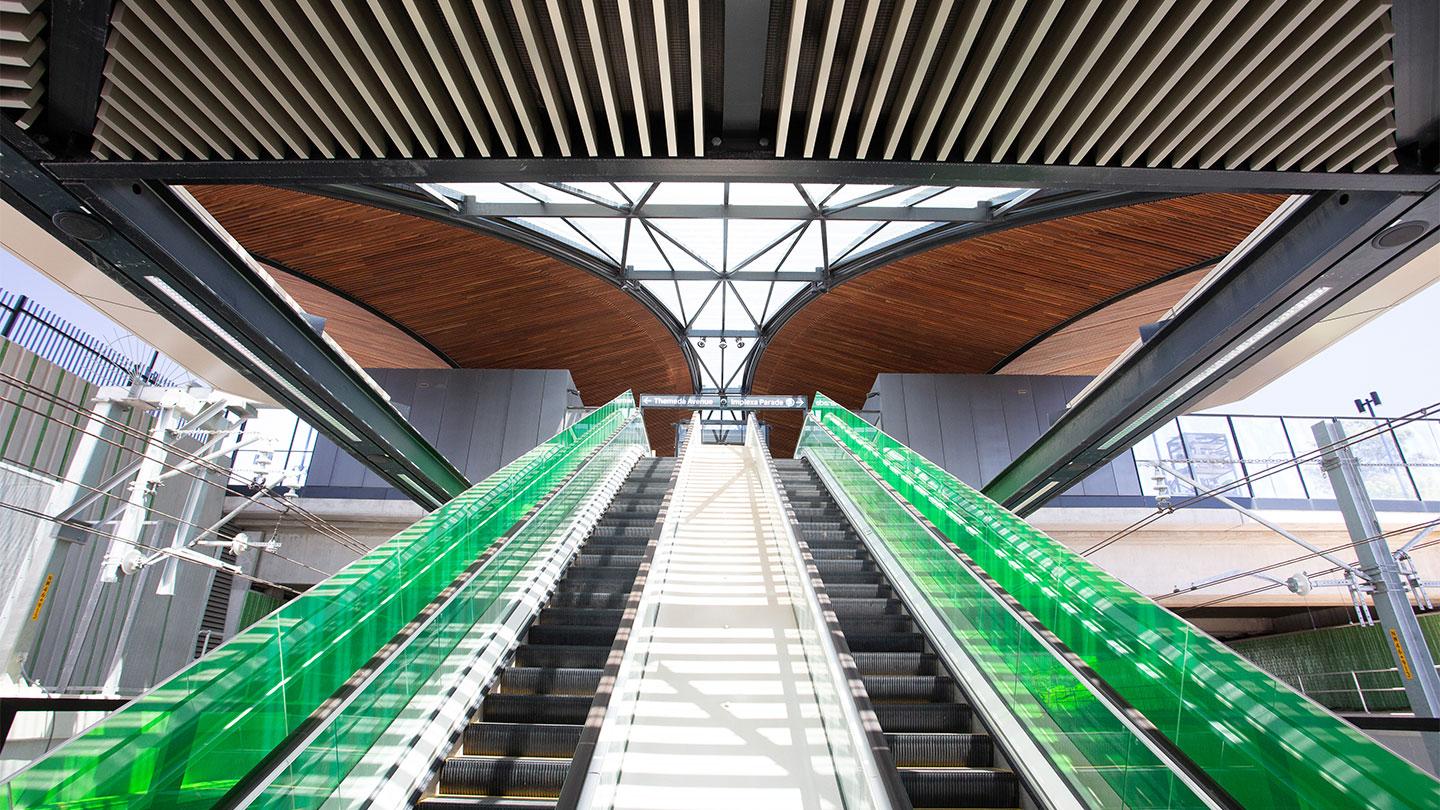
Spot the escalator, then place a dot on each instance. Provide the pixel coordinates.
(944, 758)
(517, 749)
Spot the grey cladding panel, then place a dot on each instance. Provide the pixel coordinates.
(479, 418)
(922, 417)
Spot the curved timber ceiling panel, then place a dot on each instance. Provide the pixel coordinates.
(965, 307)
(1300, 86)
(371, 340)
(1090, 343)
(483, 302)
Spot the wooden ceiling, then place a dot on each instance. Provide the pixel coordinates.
(964, 307)
(370, 339)
(483, 302)
(1088, 344)
(967, 306)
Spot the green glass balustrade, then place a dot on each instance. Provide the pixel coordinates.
(1101, 758)
(190, 741)
(1262, 742)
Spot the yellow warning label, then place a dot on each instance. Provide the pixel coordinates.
(44, 592)
(1400, 654)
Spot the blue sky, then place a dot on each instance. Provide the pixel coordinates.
(1397, 354)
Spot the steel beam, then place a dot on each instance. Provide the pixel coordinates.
(979, 213)
(734, 275)
(77, 33)
(743, 169)
(1417, 92)
(163, 248)
(747, 25)
(1273, 287)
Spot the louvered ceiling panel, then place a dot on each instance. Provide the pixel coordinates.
(22, 59)
(405, 78)
(1205, 84)
(1291, 85)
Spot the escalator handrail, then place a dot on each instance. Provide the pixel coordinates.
(261, 778)
(881, 776)
(1179, 763)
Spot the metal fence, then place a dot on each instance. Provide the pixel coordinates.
(1364, 690)
(55, 339)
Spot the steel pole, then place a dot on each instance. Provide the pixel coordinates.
(1402, 631)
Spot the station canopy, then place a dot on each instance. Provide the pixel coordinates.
(723, 259)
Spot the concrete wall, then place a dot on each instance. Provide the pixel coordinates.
(481, 419)
(974, 425)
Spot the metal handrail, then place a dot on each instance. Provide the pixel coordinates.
(1151, 738)
(876, 762)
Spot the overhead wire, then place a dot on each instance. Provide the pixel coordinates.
(1389, 426)
(35, 513)
(312, 520)
(1304, 557)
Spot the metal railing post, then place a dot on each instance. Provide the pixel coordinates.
(14, 316)
(1355, 676)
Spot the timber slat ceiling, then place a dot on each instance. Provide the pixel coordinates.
(22, 58)
(1090, 343)
(964, 307)
(484, 302)
(369, 339)
(1224, 84)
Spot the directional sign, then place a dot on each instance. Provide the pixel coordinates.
(713, 402)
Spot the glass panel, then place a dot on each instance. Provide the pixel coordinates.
(1263, 445)
(1084, 741)
(1303, 440)
(1264, 743)
(1164, 446)
(1380, 465)
(372, 732)
(1213, 460)
(1420, 442)
(190, 740)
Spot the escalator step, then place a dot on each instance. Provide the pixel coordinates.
(482, 802)
(916, 688)
(503, 776)
(877, 624)
(598, 542)
(884, 642)
(850, 577)
(520, 740)
(589, 599)
(622, 576)
(502, 708)
(911, 717)
(896, 663)
(960, 788)
(641, 530)
(837, 553)
(550, 681)
(571, 636)
(871, 606)
(579, 617)
(619, 558)
(941, 750)
(856, 590)
(562, 655)
(828, 567)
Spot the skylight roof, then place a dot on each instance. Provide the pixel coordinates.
(723, 259)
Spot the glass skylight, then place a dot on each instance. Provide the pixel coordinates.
(723, 259)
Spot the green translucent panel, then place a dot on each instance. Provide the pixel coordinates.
(1104, 762)
(1264, 743)
(190, 740)
(375, 727)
